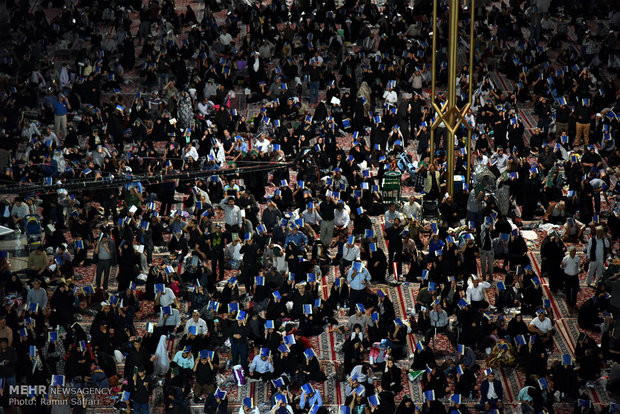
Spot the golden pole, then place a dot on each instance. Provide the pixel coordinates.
(472, 44)
(449, 113)
(433, 79)
(452, 69)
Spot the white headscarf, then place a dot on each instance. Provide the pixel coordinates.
(162, 361)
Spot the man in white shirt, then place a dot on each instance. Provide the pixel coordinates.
(341, 218)
(232, 253)
(165, 298)
(350, 252)
(198, 322)
(232, 215)
(225, 38)
(475, 293)
(571, 264)
(190, 152)
(262, 143)
(390, 215)
(542, 326)
(391, 97)
(412, 208)
(501, 158)
(203, 107)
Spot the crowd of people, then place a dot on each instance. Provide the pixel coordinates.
(252, 140)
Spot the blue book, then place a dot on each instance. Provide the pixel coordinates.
(220, 394)
(269, 324)
(307, 389)
(33, 351)
(311, 278)
(278, 383)
(59, 380)
(265, 352)
(166, 310)
(277, 295)
(314, 409)
(360, 390)
(52, 336)
(345, 409)
(429, 395)
(79, 244)
(373, 400)
(259, 280)
(455, 398)
(542, 383)
(308, 309)
(520, 340)
(241, 315)
(213, 305)
(460, 369)
(309, 353)
(567, 359)
(357, 266)
(192, 330)
(584, 403)
(159, 287)
(460, 348)
(33, 307)
(280, 398)
(284, 348)
(501, 286)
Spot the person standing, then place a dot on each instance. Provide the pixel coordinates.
(326, 211)
(232, 215)
(487, 254)
(61, 107)
(552, 252)
(105, 254)
(571, 264)
(597, 246)
(239, 343)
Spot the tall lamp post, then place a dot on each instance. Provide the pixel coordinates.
(449, 113)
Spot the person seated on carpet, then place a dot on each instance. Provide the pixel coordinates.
(422, 356)
(463, 355)
(532, 292)
(216, 403)
(397, 335)
(588, 315)
(310, 398)
(517, 250)
(354, 384)
(491, 393)
(542, 326)
(500, 250)
(354, 347)
(435, 379)
(311, 370)
(390, 380)
(588, 357)
(440, 323)
(564, 374)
